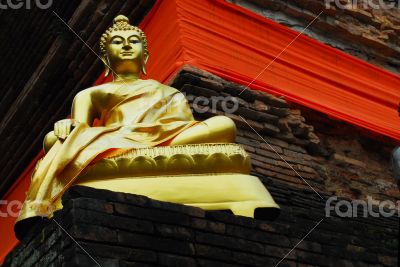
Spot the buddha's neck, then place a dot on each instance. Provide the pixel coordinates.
(125, 77)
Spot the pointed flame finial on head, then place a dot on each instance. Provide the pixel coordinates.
(121, 18)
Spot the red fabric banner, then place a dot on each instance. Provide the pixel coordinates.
(237, 45)
(10, 206)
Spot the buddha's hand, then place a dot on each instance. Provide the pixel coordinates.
(63, 128)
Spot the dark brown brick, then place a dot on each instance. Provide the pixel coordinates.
(150, 214)
(173, 231)
(94, 233)
(229, 242)
(150, 242)
(211, 252)
(174, 260)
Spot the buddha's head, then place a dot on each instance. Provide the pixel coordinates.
(123, 48)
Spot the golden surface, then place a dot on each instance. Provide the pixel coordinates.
(240, 193)
(136, 115)
(172, 160)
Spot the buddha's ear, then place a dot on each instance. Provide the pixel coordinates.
(106, 66)
(145, 58)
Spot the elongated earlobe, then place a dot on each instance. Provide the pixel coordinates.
(106, 66)
(144, 69)
(144, 62)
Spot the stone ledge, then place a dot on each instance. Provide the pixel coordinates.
(119, 229)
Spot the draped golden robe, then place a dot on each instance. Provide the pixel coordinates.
(137, 114)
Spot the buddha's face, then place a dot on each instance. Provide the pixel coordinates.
(124, 48)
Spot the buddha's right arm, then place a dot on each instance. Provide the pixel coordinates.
(82, 112)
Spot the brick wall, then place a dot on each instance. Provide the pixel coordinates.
(121, 230)
(331, 156)
(335, 158)
(126, 230)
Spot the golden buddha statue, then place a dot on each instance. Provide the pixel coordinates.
(139, 136)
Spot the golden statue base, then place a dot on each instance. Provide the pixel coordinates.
(204, 179)
(240, 193)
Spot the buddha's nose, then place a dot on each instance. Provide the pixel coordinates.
(127, 44)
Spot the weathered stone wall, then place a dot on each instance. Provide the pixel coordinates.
(123, 230)
(294, 147)
(371, 34)
(331, 156)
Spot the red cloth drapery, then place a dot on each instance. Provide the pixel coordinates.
(237, 44)
(11, 203)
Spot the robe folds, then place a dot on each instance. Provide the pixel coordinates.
(138, 114)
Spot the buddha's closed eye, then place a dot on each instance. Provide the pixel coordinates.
(120, 41)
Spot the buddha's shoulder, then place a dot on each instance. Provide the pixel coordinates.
(110, 87)
(89, 91)
(161, 86)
